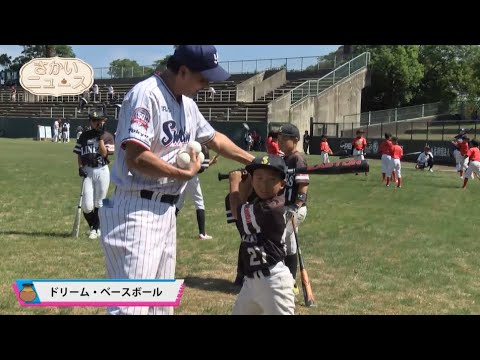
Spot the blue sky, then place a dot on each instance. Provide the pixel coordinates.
(101, 55)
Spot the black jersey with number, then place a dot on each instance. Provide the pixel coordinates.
(293, 161)
(261, 225)
(87, 148)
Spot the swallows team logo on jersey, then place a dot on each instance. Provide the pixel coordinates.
(141, 116)
(172, 135)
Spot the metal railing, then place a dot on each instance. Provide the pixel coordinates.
(305, 63)
(219, 114)
(23, 97)
(392, 115)
(220, 95)
(275, 93)
(315, 87)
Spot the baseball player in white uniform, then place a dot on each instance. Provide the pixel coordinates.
(158, 116)
(194, 191)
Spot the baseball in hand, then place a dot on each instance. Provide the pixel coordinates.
(195, 145)
(201, 156)
(183, 159)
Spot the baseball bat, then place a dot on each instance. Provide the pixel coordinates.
(226, 176)
(306, 286)
(413, 153)
(345, 156)
(78, 213)
(333, 168)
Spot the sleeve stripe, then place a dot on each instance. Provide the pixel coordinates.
(254, 221)
(251, 227)
(207, 141)
(302, 177)
(244, 222)
(138, 142)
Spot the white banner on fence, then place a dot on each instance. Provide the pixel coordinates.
(41, 132)
(44, 132)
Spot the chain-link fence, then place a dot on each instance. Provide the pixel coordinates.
(444, 130)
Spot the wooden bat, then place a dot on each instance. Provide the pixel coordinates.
(78, 213)
(306, 286)
(333, 168)
(214, 159)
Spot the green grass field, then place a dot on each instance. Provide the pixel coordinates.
(368, 249)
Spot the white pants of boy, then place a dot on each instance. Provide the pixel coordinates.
(194, 191)
(358, 154)
(95, 187)
(473, 167)
(396, 166)
(459, 159)
(386, 160)
(267, 295)
(325, 158)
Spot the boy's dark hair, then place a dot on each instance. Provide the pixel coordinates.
(388, 135)
(474, 143)
(394, 138)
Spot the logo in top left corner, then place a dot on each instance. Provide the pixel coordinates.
(141, 116)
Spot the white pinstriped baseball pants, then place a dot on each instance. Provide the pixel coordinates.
(139, 242)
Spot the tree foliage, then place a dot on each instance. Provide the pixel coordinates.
(162, 63)
(396, 74)
(126, 68)
(30, 52)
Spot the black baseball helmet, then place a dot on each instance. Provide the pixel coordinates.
(97, 115)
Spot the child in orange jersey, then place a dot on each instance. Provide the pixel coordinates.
(474, 166)
(325, 149)
(395, 165)
(460, 153)
(359, 146)
(386, 148)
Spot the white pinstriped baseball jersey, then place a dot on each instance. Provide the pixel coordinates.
(152, 117)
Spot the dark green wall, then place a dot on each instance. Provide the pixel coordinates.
(27, 128)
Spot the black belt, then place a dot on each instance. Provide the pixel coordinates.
(169, 199)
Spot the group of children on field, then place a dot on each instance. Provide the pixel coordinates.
(467, 157)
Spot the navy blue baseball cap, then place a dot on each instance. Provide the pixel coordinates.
(201, 58)
(269, 161)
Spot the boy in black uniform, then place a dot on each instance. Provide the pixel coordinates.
(93, 147)
(268, 285)
(295, 192)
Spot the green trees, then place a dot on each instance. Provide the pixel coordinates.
(126, 68)
(403, 75)
(30, 52)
